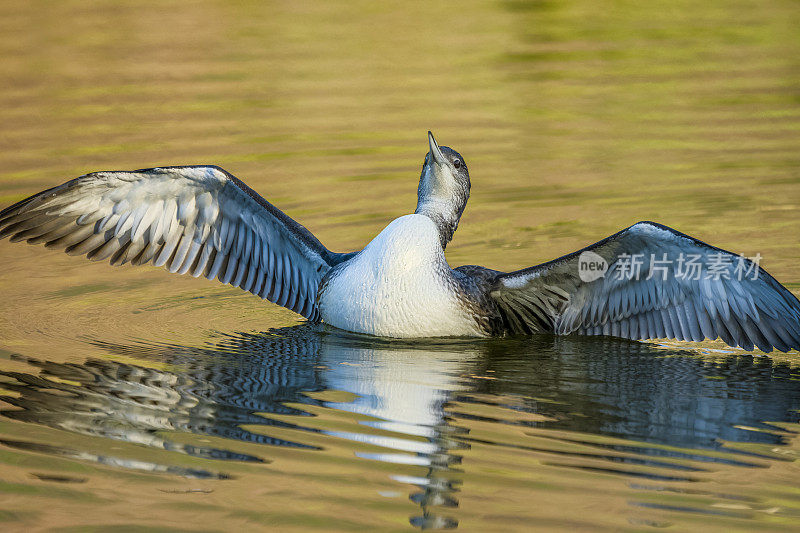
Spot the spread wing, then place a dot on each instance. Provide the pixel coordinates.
(653, 288)
(199, 220)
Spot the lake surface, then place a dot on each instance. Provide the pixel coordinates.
(138, 398)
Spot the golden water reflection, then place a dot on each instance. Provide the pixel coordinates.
(670, 433)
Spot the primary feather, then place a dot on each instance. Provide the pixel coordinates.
(751, 310)
(198, 220)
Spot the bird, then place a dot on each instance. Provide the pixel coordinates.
(203, 221)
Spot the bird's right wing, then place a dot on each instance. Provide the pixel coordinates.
(728, 296)
(199, 220)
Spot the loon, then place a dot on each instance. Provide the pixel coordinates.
(203, 221)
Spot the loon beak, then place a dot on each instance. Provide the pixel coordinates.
(436, 153)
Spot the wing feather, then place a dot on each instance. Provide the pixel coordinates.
(198, 220)
(746, 311)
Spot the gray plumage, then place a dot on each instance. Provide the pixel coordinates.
(551, 297)
(198, 220)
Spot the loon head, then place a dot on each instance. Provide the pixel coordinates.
(443, 188)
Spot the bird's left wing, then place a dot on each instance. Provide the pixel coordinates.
(657, 283)
(199, 220)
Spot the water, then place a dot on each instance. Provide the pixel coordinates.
(302, 427)
(132, 397)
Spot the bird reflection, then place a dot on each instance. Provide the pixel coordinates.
(599, 386)
(218, 389)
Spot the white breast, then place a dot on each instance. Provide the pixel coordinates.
(399, 286)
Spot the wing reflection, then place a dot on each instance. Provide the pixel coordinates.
(252, 387)
(636, 391)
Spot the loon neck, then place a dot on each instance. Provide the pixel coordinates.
(444, 214)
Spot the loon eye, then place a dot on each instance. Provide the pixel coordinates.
(457, 163)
